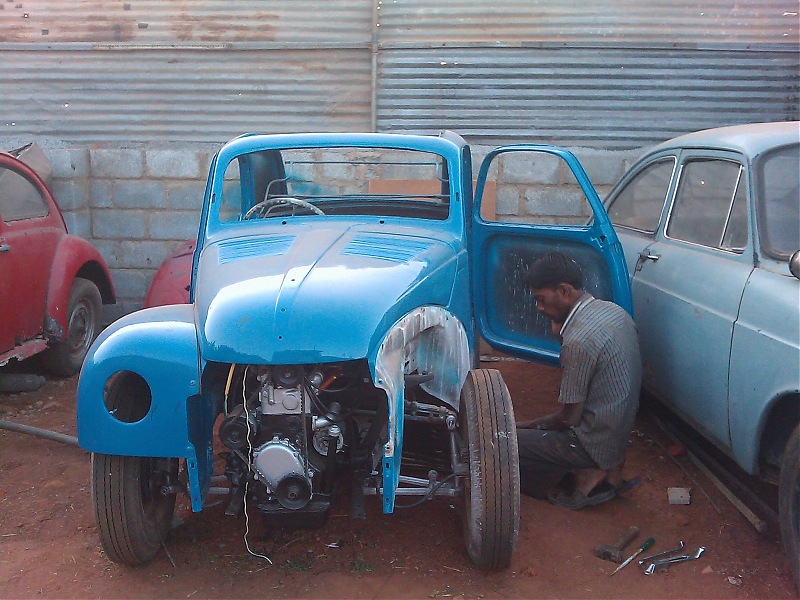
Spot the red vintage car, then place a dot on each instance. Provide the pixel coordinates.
(52, 284)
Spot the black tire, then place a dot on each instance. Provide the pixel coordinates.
(789, 503)
(133, 517)
(490, 511)
(84, 310)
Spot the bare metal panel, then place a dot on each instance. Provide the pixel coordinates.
(186, 21)
(593, 97)
(181, 95)
(598, 21)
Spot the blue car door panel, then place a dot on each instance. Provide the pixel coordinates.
(549, 181)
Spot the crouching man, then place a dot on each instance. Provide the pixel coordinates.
(601, 376)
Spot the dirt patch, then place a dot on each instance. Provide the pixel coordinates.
(49, 545)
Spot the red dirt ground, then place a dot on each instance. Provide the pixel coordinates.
(49, 545)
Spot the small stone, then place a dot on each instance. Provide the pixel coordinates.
(676, 450)
(707, 570)
(735, 581)
(678, 495)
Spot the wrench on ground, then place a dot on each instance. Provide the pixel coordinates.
(674, 559)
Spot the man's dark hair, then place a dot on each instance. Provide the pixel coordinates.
(552, 269)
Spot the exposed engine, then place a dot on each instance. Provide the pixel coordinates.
(290, 428)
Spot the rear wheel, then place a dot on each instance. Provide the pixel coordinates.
(789, 503)
(490, 513)
(133, 516)
(84, 310)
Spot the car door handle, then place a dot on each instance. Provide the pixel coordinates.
(645, 255)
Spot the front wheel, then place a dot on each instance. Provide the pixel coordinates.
(84, 311)
(490, 512)
(133, 516)
(789, 503)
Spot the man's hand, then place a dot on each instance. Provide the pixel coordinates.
(540, 423)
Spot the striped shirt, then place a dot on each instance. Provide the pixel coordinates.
(601, 367)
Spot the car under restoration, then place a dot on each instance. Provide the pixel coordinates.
(339, 282)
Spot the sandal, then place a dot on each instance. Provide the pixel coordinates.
(627, 484)
(578, 499)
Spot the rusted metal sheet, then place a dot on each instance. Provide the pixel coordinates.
(659, 22)
(610, 73)
(593, 97)
(182, 95)
(186, 21)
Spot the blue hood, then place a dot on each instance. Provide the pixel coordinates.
(313, 292)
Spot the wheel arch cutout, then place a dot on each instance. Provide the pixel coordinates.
(139, 393)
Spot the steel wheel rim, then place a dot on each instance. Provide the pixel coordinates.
(80, 330)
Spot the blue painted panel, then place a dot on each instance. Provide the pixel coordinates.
(502, 252)
(328, 297)
(160, 345)
(765, 358)
(686, 305)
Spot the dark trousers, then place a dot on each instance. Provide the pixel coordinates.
(545, 456)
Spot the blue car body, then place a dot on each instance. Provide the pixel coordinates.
(400, 284)
(710, 223)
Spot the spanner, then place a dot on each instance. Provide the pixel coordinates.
(674, 559)
(653, 557)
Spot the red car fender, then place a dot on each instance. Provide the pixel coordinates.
(75, 257)
(171, 283)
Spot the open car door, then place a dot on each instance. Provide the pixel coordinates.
(544, 202)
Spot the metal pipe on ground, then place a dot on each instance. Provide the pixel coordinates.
(53, 436)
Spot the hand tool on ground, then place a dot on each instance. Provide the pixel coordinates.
(614, 551)
(674, 559)
(654, 557)
(648, 543)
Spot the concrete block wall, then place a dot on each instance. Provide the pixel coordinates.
(135, 204)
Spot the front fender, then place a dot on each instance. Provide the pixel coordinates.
(429, 339)
(75, 257)
(160, 346)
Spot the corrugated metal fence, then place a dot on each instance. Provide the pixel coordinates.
(607, 74)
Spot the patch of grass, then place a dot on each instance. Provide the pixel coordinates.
(301, 563)
(362, 566)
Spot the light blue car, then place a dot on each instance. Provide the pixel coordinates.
(338, 286)
(710, 225)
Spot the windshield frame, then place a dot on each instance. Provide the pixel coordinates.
(443, 148)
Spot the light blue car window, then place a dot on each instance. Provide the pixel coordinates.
(232, 194)
(779, 193)
(703, 203)
(736, 231)
(640, 202)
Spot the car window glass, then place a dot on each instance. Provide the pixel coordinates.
(638, 205)
(703, 201)
(336, 181)
(530, 186)
(736, 231)
(19, 198)
(231, 205)
(779, 186)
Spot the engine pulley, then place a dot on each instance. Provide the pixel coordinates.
(280, 466)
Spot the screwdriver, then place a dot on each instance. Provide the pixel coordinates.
(648, 543)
